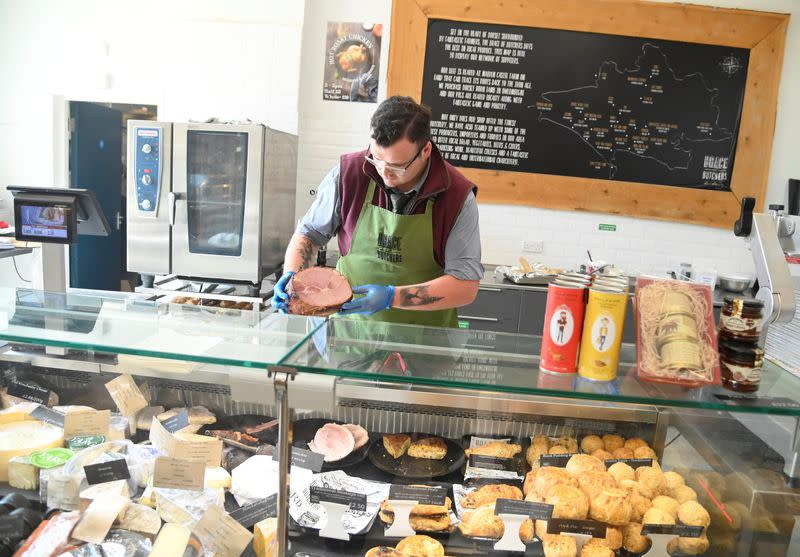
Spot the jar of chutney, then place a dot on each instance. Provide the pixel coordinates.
(741, 320)
(740, 366)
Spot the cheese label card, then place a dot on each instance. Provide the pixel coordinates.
(194, 447)
(356, 501)
(422, 495)
(178, 473)
(48, 416)
(569, 526)
(250, 514)
(177, 422)
(89, 422)
(126, 395)
(492, 463)
(107, 471)
(673, 529)
(304, 459)
(632, 462)
(536, 511)
(10, 526)
(558, 460)
(221, 534)
(29, 392)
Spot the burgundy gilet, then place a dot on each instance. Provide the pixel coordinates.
(445, 184)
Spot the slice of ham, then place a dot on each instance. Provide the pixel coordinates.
(359, 434)
(333, 442)
(318, 291)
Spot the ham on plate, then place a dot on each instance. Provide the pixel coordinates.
(360, 435)
(333, 442)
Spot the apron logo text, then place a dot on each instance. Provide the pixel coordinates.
(389, 248)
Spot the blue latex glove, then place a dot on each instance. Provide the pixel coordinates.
(279, 296)
(376, 298)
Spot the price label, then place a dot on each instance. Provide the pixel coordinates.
(126, 395)
(29, 392)
(250, 514)
(632, 462)
(48, 415)
(584, 527)
(107, 472)
(303, 459)
(422, 495)
(356, 501)
(769, 402)
(89, 422)
(536, 511)
(177, 422)
(557, 460)
(492, 463)
(673, 529)
(221, 534)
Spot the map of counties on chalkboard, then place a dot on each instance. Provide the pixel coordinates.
(584, 104)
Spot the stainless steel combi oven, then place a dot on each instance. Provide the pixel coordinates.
(209, 201)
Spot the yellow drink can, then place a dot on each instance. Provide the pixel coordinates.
(602, 334)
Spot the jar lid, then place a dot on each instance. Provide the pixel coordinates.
(742, 349)
(746, 302)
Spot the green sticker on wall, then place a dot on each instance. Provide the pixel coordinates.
(463, 324)
(607, 227)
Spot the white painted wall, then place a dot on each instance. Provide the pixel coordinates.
(328, 129)
(195, 59)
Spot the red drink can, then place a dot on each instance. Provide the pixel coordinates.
(563, 326)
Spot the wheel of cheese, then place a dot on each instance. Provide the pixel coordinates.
(23, 438)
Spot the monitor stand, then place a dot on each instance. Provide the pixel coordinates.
(54, 279)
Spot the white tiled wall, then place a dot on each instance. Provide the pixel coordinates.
(328, 129)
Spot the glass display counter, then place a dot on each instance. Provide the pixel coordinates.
(420, 441)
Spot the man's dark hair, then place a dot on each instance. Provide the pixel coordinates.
(399, 117)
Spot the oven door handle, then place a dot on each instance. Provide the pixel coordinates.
(173, 198)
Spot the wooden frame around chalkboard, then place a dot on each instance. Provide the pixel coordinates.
(761, 32)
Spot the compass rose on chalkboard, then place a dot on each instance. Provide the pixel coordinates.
(730, 65)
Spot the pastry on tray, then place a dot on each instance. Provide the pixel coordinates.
(497, 449)
(432, 448)
(396, 444)
(489, 494)
(483, 523)
(383, 551)
(420, 546)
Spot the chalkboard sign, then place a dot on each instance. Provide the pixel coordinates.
(585, 105)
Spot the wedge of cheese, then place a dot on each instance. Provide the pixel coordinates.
(23, 438)
(265, 541)
(171, 541)
(22, 474)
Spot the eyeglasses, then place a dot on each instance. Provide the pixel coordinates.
(399, 170)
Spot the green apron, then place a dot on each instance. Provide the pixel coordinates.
(389, 248)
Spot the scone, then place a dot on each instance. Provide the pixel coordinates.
(621, 471)
(612, 442)
(579, 463)
(569, 443)
(420, 546)
(550, 476)
(633, 540)
(602, 455)
(688, 546)
(613, 539)
(622, 453)
(490, 494)
(432, 448)
(592, 483)
(666, 503)
(683, 493)
(559, 546)
(558, 449)
(591, 443)
(611, 505)
(596, 550)
(568, 502)
(497, 449)
(645, 452)
(692, 513)
(635, 442)
(651, 482)
(396, 444)
(383, 551)
(657, 516)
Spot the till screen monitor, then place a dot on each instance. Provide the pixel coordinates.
(45, 220)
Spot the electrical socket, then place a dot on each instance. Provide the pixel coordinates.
(533, 246)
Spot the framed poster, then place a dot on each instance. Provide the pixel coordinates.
(352, 62)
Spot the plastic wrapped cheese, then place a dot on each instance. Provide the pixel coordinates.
(254, 479)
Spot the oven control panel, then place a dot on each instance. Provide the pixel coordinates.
(148, 168)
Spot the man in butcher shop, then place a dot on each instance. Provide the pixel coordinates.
(406, 222)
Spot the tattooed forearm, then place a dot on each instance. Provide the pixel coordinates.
(417, 296)
(306, 254)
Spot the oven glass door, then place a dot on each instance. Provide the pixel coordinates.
(216, 174)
